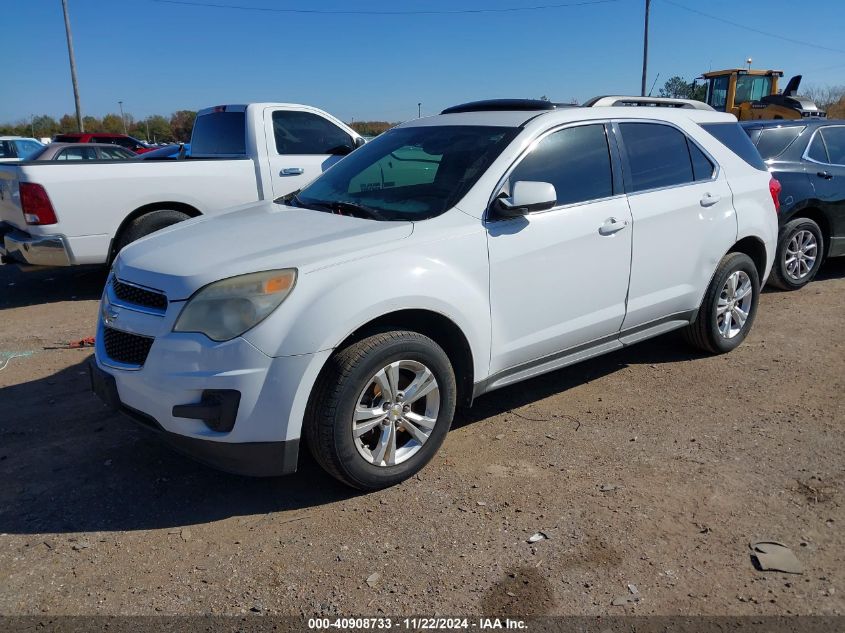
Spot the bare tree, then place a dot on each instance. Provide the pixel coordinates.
(824, 96)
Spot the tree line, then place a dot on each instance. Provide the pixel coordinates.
(155, 129)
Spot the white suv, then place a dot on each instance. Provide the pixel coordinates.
(451, 256)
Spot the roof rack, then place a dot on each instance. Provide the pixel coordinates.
(498, 105)
(664, 102)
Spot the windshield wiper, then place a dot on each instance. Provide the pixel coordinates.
(353, 208)
(288, 198)
(341, 207)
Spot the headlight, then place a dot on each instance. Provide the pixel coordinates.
(228, 308)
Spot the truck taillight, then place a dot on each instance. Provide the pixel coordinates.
(36, 205)
(774, 189)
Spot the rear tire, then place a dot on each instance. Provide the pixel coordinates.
(145, 224)
(729, 306)
(799, 254)
(381, 409)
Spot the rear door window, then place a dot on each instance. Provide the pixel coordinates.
(774, 141)
(6, 150)
(834, 140)
(817, 151)
(575, 160)
(658, 156)
(299, 133)
(702, 167)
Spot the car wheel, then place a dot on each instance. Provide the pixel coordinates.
(799, 254)
(729, 307)
(145, 224)
(381, 409)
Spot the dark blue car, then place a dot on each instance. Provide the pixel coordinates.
(808, 158)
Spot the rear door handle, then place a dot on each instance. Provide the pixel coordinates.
(611, 226)
(708, 200)
(825, 174)
(292, 171)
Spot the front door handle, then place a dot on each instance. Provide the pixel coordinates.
(825, 174)
(708, 200)
(611, 226)
(292, 171)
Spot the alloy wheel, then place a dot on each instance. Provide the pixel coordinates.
(395, 413)
(734, 304)
(801, 254)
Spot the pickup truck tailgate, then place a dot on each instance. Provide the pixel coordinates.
(10, 199)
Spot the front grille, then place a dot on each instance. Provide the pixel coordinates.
(126, 348)
(138, 296)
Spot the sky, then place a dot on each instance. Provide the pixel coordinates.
(159, 56)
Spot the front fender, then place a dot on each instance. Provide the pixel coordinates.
(447, 276)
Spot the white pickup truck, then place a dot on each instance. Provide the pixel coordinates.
(58, 213)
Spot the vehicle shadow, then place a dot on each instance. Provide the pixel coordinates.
(669, 348)
(76, 283)
(833, 268)
(69, 465)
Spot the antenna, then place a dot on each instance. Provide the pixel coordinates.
(652, 84)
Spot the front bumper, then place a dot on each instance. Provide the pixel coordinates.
(18, 247)
(252, 459)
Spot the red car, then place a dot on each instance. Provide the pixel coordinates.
(129, 142)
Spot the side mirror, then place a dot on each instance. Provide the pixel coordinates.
(527, 196)
(359, 141)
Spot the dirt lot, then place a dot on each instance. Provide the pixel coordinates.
(652, 466)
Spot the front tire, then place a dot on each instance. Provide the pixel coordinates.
(729, 307)
(145, 224)
(799, 254)
(381, 409)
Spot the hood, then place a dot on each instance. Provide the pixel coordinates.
(182, 258)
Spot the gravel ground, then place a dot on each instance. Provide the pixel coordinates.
(652, 467)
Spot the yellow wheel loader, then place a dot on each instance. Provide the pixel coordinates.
(753, 94)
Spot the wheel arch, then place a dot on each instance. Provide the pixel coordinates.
(148, 208)
(756, 250)
(439, 328)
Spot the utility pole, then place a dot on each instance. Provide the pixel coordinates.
(73, 68)
(32, 124)
(419, 110)
(645, 49)
(122, 116)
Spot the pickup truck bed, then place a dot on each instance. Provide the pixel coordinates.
(110, 192)
(67, 213)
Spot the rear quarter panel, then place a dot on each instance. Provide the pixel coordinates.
(755, 211)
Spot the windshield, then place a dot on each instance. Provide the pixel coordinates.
(408, 173)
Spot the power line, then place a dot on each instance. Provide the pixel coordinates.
(753, 30)
(540, 7)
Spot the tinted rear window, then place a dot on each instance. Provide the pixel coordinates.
(774, 141)
(657, 155)
(732, 136)
(834, 140)
(219, 133)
